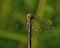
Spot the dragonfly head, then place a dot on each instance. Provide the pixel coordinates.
(29, 16)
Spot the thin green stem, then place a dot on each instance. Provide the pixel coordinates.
(39, 14)
(13, 36)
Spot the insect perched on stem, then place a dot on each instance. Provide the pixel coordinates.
(29, 26)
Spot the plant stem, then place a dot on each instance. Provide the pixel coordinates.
(39, 14)
(13, 36)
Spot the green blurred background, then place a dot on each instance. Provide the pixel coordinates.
(46, 23)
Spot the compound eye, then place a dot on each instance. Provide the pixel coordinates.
(30, 15)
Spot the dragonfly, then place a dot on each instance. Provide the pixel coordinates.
(29, 26)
